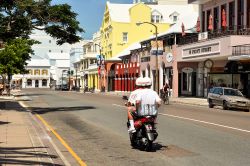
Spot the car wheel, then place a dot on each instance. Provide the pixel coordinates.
(210, 103)
(225, 107)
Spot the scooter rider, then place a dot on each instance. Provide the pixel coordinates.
(148, 101)
(132, 102)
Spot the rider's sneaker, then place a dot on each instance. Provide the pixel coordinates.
(131, 130)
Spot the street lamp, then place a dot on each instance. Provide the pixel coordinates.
(156, 54)
(101, 81)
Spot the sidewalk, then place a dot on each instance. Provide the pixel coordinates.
(21, 140)
(181, 100)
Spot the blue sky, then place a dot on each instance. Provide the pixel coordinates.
(90, 13)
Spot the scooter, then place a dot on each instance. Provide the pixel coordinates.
(145, 133)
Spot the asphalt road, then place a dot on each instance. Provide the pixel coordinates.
(94, 127)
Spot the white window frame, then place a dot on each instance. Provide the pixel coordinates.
(124, 37)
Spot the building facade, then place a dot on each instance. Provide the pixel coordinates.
(120, 29)
(219, 54)
(38, 76)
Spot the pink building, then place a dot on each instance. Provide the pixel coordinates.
(220, 54)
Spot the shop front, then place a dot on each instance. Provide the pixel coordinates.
(235, 75)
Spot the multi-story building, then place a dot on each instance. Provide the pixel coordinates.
(120, 29)
(39, 74)
(88, 64)
(219, 55)
(47, 44)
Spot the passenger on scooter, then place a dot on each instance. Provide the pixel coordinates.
(132, 102)
(148, 101)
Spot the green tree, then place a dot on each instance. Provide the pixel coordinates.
(19, 17)
(14, 56)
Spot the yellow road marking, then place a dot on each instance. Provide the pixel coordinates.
(79, 160)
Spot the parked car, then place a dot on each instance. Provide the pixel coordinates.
(227, 98)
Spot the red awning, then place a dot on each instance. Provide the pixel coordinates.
(210, 23)
(224, 18)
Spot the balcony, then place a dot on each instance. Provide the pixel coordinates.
(92, 66)
(236, 30)
(241, 50)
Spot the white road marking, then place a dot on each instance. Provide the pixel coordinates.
(195, 120)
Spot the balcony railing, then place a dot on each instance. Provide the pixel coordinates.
(235, 30)
(241, 50)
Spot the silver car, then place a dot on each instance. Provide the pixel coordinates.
(227, 98)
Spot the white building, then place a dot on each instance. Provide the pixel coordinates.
(59, 63)
(57, 57)
(39, 74)
(47, 44)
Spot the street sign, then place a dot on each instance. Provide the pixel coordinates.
(154, 47)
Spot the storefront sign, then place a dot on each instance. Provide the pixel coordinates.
(206, 50)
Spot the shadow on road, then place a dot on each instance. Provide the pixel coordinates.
(39, 110)
(3, 123)
(19, 156)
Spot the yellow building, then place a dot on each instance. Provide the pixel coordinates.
(119, 29)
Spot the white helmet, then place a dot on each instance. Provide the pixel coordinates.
(147, 81)
(139, 81)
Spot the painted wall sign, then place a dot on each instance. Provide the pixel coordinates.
(200, 51)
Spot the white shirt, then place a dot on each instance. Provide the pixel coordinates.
(148, 99)
(133, 96)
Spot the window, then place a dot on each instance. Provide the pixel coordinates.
(155, 18)
(30, 72)
(49, 41)
(29, 82)
(240, 14)
(174, 18)
(45, 72)
(231, 15)
(49, 50)
(216, 18)
(61, 51)
(125, 37)
(44, 82)
(37, 72)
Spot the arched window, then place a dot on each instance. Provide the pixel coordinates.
(37, 72)
(29, 82)
(44, 82)
(44, 72)
(30, 71)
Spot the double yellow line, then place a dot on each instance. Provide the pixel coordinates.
(79, 160)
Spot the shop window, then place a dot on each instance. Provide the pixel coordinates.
(44, 82)
(29, 82)
(225, 80)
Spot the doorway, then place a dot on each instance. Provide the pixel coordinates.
(37, 83)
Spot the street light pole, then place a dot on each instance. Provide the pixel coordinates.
(101, 81)
(156, 54)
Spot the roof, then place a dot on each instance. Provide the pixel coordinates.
(58, 56)
(189, 22)
(38, 63)
(128, 49)
(120, 12)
